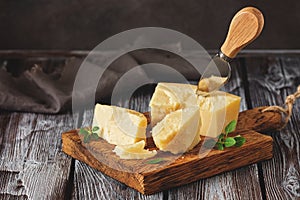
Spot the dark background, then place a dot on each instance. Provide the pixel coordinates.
(81, 25)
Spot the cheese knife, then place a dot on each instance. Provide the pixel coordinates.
(245, 26)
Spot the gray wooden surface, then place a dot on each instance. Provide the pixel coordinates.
(270, 85)
(32, 165)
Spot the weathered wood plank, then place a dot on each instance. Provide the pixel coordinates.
(32, 164)
(270, 81)
(238, 184)
(12, 197)
(4, 119)
(230, 185)
(92, 184)
(11, 184)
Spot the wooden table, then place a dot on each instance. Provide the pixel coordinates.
(32, 165)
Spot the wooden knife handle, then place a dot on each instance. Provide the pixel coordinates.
(245, 27)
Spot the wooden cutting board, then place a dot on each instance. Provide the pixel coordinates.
(176, 170)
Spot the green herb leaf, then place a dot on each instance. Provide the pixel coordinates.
(239, 141)
(83, 131)
(94, 136)
(86, 138)
(155, 161)
(209, 144)
(95, 128)
(229, 142)
(224, 140)
(230, 127)
(220, 146)
(221, 137)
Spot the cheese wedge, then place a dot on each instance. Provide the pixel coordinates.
(216, 110)
(178, 132)
(119, 126)
(134, 151)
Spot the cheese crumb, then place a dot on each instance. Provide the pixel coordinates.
(134, 151)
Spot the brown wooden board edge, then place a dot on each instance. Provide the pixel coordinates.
(71, 143)
(174, 174)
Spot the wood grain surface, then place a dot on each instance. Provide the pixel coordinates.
(270, 77)
(175, 170)
(270, 81)
(32, 165)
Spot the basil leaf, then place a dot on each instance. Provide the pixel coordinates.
(229, 142)
(155, 161)
(220, 146)
(86, 139)
(230, 127)
(83, 131)
(221, 137)
(239, 141)
(95, 128)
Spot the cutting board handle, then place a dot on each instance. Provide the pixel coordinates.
(245, 27)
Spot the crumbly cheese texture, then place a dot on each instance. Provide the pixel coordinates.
(169, 97)
(216, 110)
(119, 126)
(209, 84)
(178, 132)
(134, 151)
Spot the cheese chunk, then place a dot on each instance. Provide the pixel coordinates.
(134, 151)
(209, 84)
(169, 97)
(119, 126)
(216, 110)
(178, 132)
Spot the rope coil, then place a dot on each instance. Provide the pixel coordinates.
(288, 107)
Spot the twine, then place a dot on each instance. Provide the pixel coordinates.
(287, 108)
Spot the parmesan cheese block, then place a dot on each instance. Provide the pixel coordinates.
(178, 132)
(134, 151)
(216, 110)
(169, 97)
(119, 126)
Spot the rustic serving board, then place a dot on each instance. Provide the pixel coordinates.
(179, 170)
